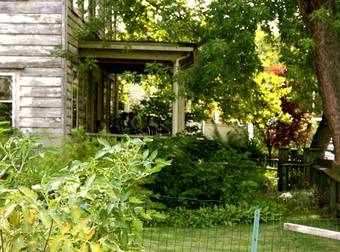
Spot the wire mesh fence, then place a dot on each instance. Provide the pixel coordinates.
(237, 238)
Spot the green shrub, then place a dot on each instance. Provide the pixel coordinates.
(204, 169)
(216, 216)
(78, 146)
(94, 205)
(17, 155)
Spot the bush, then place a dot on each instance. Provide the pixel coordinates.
(92, 205)
(204, 169)
(216, 216)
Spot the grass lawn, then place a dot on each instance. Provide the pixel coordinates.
(237, 238)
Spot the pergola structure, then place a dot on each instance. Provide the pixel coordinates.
(119, 56)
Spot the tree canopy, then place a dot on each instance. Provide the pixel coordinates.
(230, 60)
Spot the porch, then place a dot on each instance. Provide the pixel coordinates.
(99, 100)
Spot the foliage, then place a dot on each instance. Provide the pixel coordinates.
(92, 205)
(78, 146)
(221, 172)
(297, 53)
(271, 89)
(292, 128)
(5, 118)
(227, 60)
(216, 216)
(296, 130)
(283, 123)
(17, 155)
(157, 84)
(162, 20)
(159, 107)
(273, 206)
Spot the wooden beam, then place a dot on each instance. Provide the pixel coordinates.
(132, 55)
(312, 231)
(330, 172)
(138, 46)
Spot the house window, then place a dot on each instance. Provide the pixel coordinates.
(6, 100)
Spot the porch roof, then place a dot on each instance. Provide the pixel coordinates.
(119, 56)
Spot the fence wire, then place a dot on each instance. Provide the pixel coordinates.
(237, 238)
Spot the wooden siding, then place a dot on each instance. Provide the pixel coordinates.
(73, 24)
(29, 33)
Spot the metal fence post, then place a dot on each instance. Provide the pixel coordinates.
(256, 228)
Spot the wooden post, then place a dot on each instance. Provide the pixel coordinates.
(90, 103)
(337, 199)
(283, 170)
(108, 101)
(178, 107)
(116, 97)
(310, 156)
(333, 197)
(175, 109)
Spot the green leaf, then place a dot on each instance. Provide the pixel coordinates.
(28, 192)
(125, 196)
(104, 142)
(45, 218)
(56, 244)
(100, 153)
(9, 209)
(135, 200)
(5, 190)
(52, 186)
(153, 155)
(145, 154)
(89, 181)
(138, 226)
(124, 239)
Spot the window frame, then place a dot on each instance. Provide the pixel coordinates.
(14, 98)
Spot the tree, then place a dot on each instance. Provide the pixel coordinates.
(327, 59)
(288, 125)
(155, 20)
(227, 62)
(309, 29)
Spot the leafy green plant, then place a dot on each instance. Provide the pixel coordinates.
(221, 172)
(216, 216)
(16, 155)
(94, 205)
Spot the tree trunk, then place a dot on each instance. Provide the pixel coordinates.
(322, 136)
(327, 62)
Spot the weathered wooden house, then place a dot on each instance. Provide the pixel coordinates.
(43, 93)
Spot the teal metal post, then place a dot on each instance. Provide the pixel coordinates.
(256, 228)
